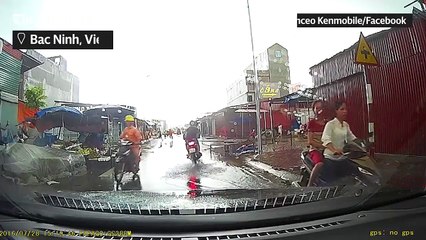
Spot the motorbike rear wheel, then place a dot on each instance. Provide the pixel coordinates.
(193, 158)
(119, 171)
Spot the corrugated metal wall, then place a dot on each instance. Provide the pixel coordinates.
(335, 68)
(398, 88)
(399, 91)
(399, 106)
(389, 46)
(10, 73)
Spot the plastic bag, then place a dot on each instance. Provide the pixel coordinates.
(25, 161)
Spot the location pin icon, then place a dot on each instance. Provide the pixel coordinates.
(21, 37)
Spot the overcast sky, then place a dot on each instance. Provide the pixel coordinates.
(174, 59)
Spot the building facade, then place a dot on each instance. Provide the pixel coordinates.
(295, 87)
(241, 92)
(10, 73)
(13, 64)
(161, 124)
(272, 65)
(53, 76)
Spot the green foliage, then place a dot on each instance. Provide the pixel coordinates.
(35, 97)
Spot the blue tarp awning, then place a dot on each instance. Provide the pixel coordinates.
(62, 116)
(69, 118)
(295, 98)
(58, 110)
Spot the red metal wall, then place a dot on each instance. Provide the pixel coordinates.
(399, 106)
(399, 91)
(398, 87)
(389, 46)
(277, 118)
(352, 91)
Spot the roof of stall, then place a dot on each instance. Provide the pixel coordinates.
(109, 110)
(69, 118)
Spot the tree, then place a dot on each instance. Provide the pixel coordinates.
(35, 97)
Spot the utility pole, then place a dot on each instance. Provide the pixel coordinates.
(257, 91)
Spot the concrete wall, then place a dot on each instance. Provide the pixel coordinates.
(52, 75)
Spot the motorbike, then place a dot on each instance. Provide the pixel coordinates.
(194, 151)
(124, 162)
(355, 167)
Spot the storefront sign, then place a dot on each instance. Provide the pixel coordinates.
(269, 89)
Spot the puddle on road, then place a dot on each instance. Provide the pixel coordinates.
(168, 170)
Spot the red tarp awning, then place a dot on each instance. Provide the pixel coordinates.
(25, 112)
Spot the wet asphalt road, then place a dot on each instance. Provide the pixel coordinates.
(165, 169)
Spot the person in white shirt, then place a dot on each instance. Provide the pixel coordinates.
(337, 132)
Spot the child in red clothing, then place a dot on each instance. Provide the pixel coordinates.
(315, 129)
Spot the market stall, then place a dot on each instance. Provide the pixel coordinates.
(69, 129)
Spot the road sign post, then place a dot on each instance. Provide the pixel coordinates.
(365, 56)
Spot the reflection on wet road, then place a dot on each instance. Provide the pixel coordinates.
(165, 169)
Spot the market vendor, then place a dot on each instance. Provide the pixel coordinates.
(94, 140)
(30, 131)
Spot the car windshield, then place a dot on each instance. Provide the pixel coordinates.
(187, 103)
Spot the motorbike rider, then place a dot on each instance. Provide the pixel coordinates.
(132, 134)
(192, 133)
(337, 132)
(170, 133)
(336, 135)
(315, 129)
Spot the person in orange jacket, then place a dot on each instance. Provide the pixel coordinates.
(132, 134)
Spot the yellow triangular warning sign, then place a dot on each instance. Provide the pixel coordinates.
(363, 54)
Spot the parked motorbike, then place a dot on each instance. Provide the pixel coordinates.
(355, 167)
(124, 162)
(194, 150)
